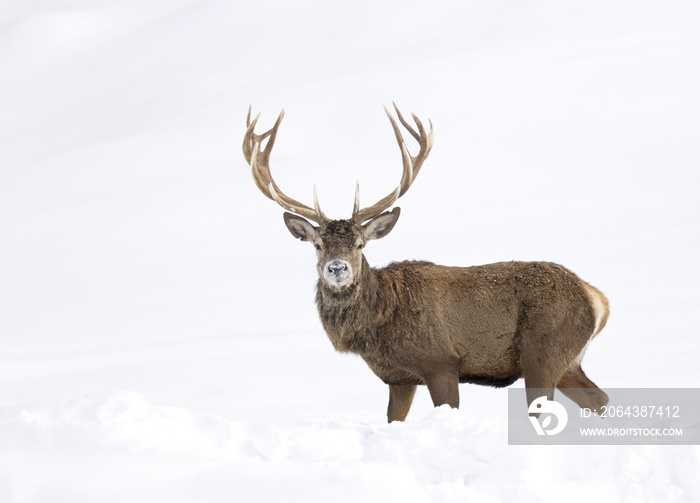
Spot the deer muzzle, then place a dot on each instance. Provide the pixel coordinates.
(337, 272)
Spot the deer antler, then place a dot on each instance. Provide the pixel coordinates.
(411, 166)
(259, 160)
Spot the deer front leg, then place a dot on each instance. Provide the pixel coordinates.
(444, 388)
(400, 400)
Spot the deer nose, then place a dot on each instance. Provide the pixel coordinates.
(337, 268)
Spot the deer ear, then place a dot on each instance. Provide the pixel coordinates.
(381, 225)
(300, 227)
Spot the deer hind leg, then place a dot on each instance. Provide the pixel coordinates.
(539, 384)
(541, 374)
(579, 388)
(400, 400)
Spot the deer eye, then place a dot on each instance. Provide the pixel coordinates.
(317, 246)
(360, 246)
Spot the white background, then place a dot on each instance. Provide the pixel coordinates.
(159, 340)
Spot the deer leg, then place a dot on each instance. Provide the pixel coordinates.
(400, 400)
(580, 389)
(541, 374)
(444, 388)
(535, 389)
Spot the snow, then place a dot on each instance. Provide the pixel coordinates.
(159, 337)
(121, 447)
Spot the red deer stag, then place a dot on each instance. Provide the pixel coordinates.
(420, 323)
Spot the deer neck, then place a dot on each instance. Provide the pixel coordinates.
(351, 317)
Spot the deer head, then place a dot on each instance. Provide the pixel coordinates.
(338, 243)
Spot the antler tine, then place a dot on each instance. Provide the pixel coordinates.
(424, 140)
(249, 139)
(356, 204)
(411, 164)
(259, 160)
